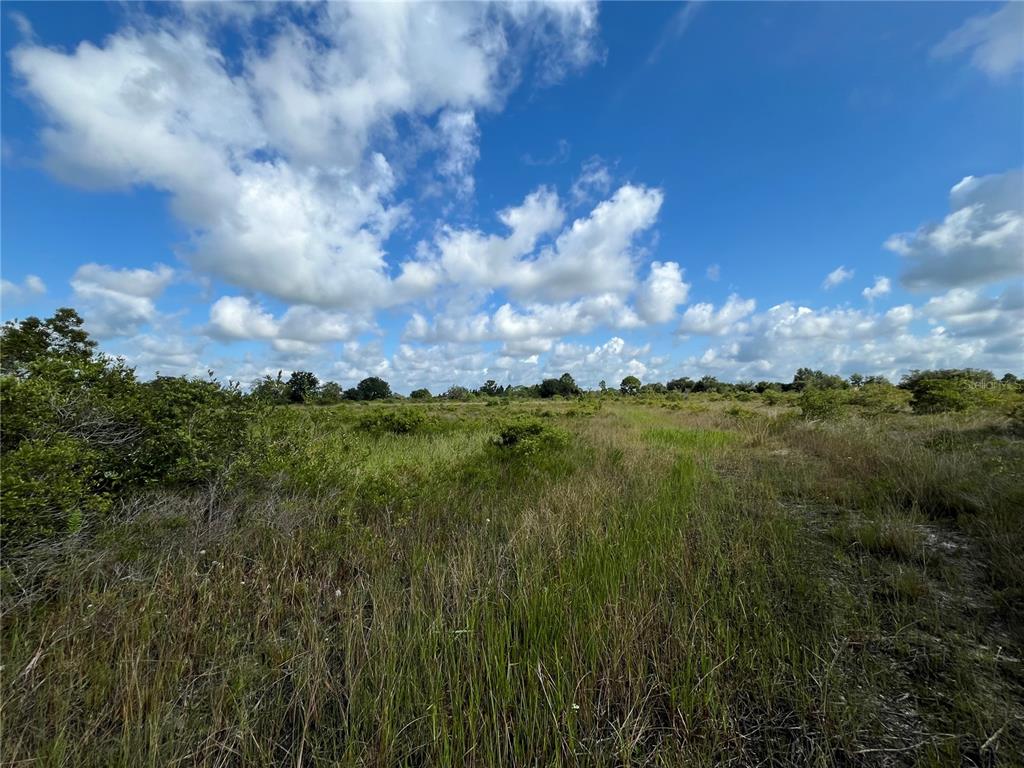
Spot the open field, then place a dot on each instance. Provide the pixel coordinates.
(626, 581)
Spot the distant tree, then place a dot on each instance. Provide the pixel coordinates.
(653, 388)
(330, 393)
(805, 377)
(457, 393)
(630, 385)
(856, 380)
(489, 387)
(420, 394)
(684, 384)
(302, 386)
(973, 376)
(707, 384)
(271, 390)
(372, 388)
(602, 386)
(568, 383)
(565, 385)
(62, 335)
(877, 381)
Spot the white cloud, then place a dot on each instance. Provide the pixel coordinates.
(881, 287)
(967, 312)
(704, 320)
(713, 273)
(459, 134)
(275, 162)
(662, 292)
(838, 275)
(529, 326)
(995, 41)
(32, 285)
(593, 183)
(117, 302)
(981, 241)
(594, 255)
(298, 331)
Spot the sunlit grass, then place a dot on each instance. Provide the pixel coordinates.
(666, 587)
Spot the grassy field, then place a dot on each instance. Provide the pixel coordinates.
(689, 582)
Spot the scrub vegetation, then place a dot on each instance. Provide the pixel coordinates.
(826, 572)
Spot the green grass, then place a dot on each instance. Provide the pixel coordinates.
(666, 586)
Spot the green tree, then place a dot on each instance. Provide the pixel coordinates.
(565, 385)
(489, 387)
(420, 394)
(373, 388)
(630, 385)
(302, 386)
(684, 384)
(457, 393)
(62, 335)
(270, 390)
(330, 393)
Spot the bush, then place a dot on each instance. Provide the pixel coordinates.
(821, 404)
(78, 429)
(528, 436)
(942, 395)
(399, 422)
(48, 488)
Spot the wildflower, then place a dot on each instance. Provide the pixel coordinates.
(337, 593)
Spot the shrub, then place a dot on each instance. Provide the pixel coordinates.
(420, 394)
(528, 436)
(941, 395)
(821, 404)
(48, 488)
(399, 422)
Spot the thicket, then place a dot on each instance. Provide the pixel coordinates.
(80, 428)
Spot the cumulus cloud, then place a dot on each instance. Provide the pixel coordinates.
(704, 319)
(298, 331)
(273, 161)
(529, 326)
(662, 292)
(995, 41)
(881, 287)
(838, 275)
(32, 285)
(117, 302)
(593, 255)
(980, 241)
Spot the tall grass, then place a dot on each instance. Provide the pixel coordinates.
(666, 587)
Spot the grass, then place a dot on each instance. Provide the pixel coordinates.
(686, 585)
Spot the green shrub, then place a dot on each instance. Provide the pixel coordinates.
(528, 436)
(48, 488)
(943, 395)
(821, 404)
(400, 421)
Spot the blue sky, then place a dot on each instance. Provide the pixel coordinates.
(446, 194)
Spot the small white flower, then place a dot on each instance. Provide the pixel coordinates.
(337, 593)
(575, 706)
(202, 551)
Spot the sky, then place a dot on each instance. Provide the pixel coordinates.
(445, 194)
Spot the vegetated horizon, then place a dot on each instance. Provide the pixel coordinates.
(823, 572)
(304, 386)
